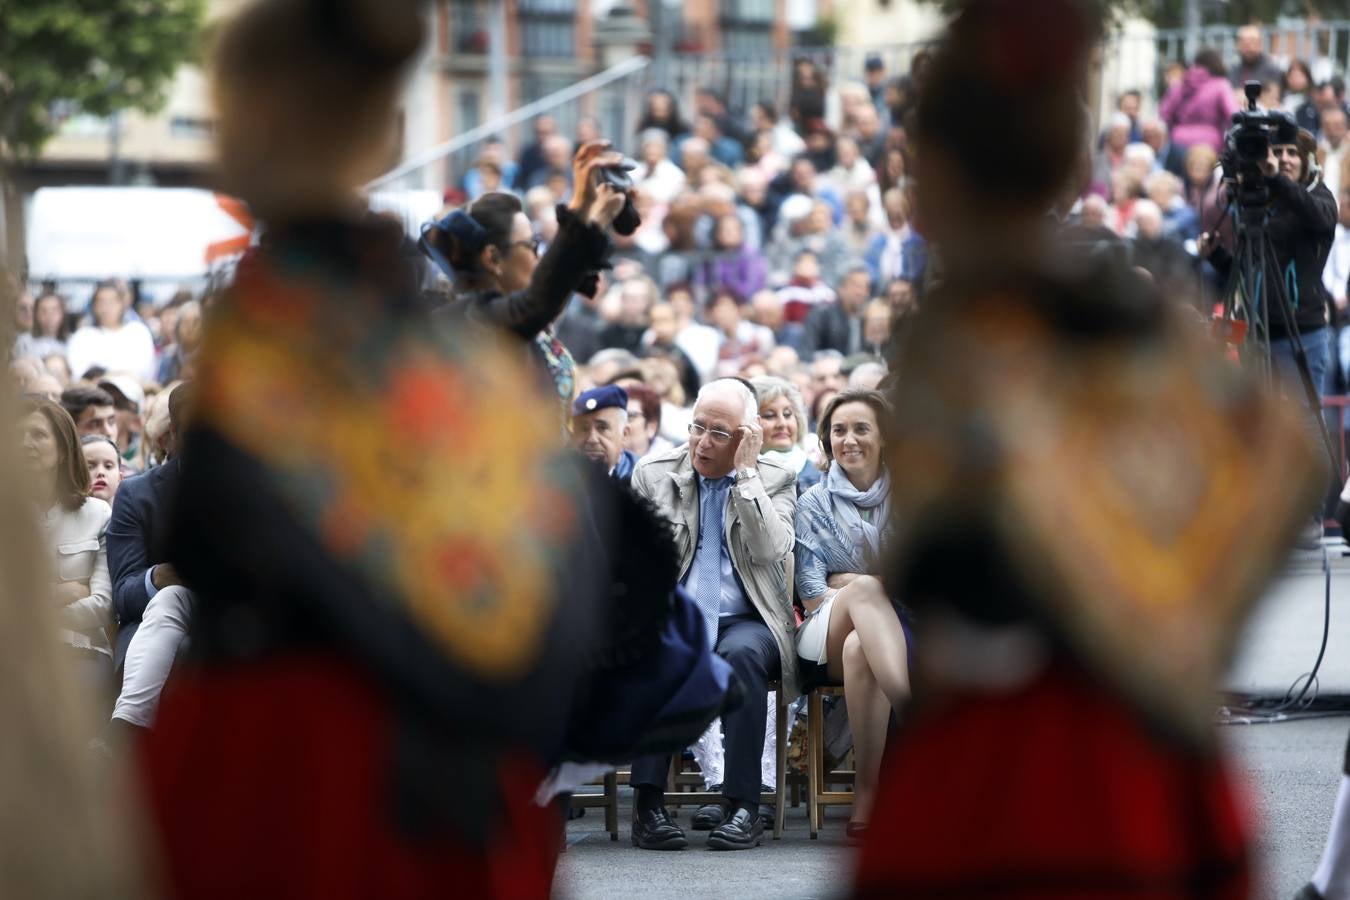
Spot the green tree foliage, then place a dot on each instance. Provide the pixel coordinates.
(87, 56)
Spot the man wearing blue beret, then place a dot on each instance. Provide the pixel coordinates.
(600, 427)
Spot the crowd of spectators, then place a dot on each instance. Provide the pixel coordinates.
(772, 241)
(1156, 175)
(776, 261)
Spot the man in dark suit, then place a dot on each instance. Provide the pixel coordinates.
(839, 325)
(151, 602)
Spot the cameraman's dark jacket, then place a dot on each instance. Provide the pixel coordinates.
(1301, 227)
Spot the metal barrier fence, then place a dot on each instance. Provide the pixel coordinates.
(616, 98)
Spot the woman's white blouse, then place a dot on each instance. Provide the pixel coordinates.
(78, 543)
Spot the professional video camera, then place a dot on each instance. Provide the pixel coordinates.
(1247, 145)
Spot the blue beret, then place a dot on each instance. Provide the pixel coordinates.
(611, 395)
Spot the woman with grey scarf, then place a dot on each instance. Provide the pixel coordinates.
(851, 632)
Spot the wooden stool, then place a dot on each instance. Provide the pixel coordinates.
(608, 798)
(676, 797)
(817, 778)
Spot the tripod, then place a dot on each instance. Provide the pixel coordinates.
(1254, 289)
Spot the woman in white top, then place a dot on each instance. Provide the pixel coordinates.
(50, 329)
(109, 342)
(76, 527)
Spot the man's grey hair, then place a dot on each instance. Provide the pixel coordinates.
(620, 357)
(732, 387)
(866, 375)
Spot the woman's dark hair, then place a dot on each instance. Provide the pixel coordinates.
(72, 474)
(88, 439)
(1209, 59)
(671, 123)
(875, 399)
(1020, 64)
(93, 295)
(63, 330)
(495, 214)
(1307, 76)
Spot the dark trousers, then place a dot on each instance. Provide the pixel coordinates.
(748, 645)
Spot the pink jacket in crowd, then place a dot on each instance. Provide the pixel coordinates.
(1199, 109)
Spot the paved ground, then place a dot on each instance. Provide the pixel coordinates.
(1292, 770)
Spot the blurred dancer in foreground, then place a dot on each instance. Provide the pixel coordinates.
(375, 519)
(1081, 521)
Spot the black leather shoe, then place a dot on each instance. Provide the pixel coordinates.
(742, 831)
(708, 817)
(654, 830)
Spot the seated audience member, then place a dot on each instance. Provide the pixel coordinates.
(58, 367)
(732, 513)
(663, 339)
(852, 633)
(44, 386)
(1173, 270)
(814, 233)
(783, 417)
(606, 365)
(128, 400)
(866, 376)
(1170, 156)
(644, 420)
(656, 175)
(851, 170)
(104, 464)
(878, 316)
(699, 342)
(600, 429)
(152, 604)
(636, 297)
(49, 332)
(805, 291)
(862, 224)
(734, 264)
(111, 341)
(839, 326)
(766, 308)
(740, 339)
(75, 526)
(92, 410)
(782, 361)
(827, 372)
(903, 299)
(1179, 220)
(180, 357)
(897, 252)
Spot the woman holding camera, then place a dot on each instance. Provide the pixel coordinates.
(490, 252)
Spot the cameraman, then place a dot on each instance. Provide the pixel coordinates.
(1301, 224)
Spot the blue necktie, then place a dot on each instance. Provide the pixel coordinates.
(708, 574)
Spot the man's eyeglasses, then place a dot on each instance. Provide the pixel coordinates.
(533, 244)
(718, 437)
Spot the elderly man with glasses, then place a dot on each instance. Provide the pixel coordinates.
(732, 515)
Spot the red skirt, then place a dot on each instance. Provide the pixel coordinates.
(1056, 791)
(272, 780)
